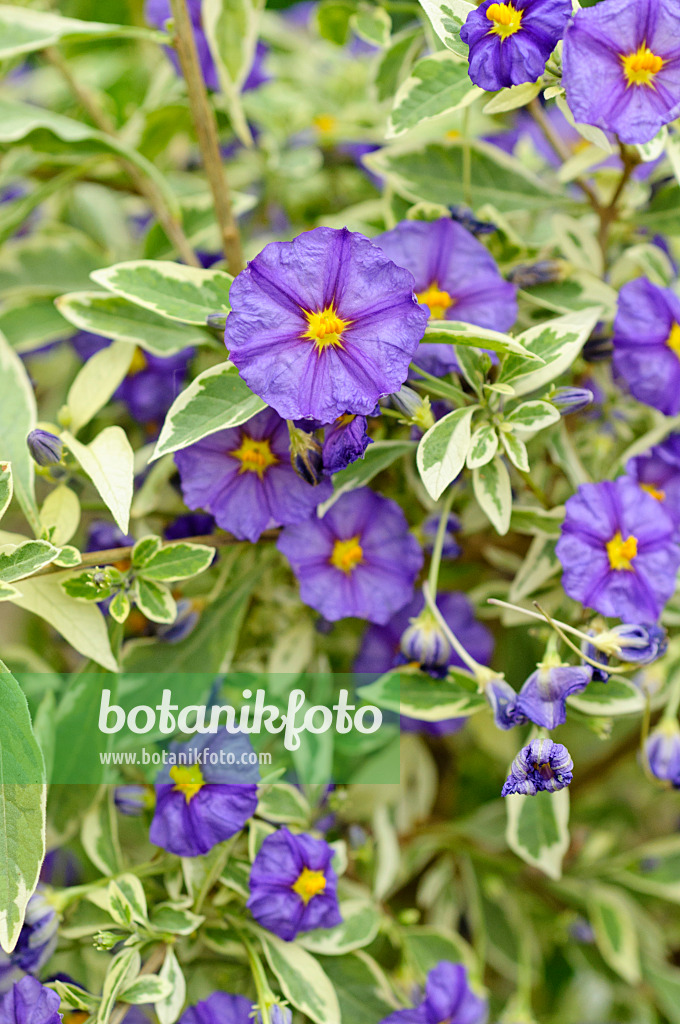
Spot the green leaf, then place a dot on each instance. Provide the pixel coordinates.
(665, 982)
(60, 515)
(654, 869)
(121, 970)
(303, 981)
(558, 342)
(26, 30)
(333, 18)
(231, 28)
(99, 836)
(426, 947)
(492, 489)
(447, 20)
(618, 696)
(527, 519)
(8, 592)
(217, 399)
(148, 989)
(25, 559)
(28, 325)
(438, 85)
(6, 486)
(538, 829)
(396, 62)
(93, 584)
(119, 608)
(144, 549)
(127, 902)
(373, 24)
(77, 758)
(109, 463)
(177, 562)
(611, 915)
(22, 809)
(362, 989)
(532, 416)
(457, 332)
(96, 383)
(113, 317)
(169, 1009)
(17, 419)
(284, 803)
(186, 294)
(169, 920)
(483, 446)
(416, 694)
(512, 98)
(516, 451)
(436, 173)
(540, 565)
(443, 449)
(360, 924)
(378, 456)
(155, 601)
(81, 625)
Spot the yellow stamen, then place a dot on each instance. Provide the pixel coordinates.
(254, 456)
(347, 554)
(325, 328)
(506, 19)
(641, 67)
(325, 123)
(673, 339)
(438, 301)
(138, 363)
(188, 779)
(654, 491)
(309, 884)
(622, 552)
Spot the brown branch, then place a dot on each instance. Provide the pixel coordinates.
(143, 185)
(561, 148)
(206, 131)
(609, 213)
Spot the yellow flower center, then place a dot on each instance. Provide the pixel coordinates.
(188, 779)
(621, 552)
(641, 67)
(325, 123)
(347, 554)
(654, 491)
(325, 328)
(673, 340)
(506, 19)
(138, 363)
(309, 884)
(254, 456)
(438, 301)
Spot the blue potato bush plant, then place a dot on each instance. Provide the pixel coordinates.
(341, 340)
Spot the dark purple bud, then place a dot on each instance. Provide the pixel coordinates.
(305, 455)
(45, 448)
(528, 275)
(663, 752)
(569, 400)
(424, 642)
(598, 346)
(464, 216)
(132, 801)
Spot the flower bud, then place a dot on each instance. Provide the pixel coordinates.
(45, 448)
(464, 215)
(132, 801)
(634, 643)
(528, 275)
(569, 400)
(305, 455)
(424, 642)
(663, 752)
(415, 409)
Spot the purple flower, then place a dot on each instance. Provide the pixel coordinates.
(46, 449)
(621, 66)
(344, 442)
(359, 560)
(36, 944)
(618, 551)
(102, 535)
(456, 278)
(658, 473)
(157, 12)
(640, 644)
(244, 478)
(323, 325)
(542, 765)
(510, 42)
(663, 752)
(503, 702)
(448, 1000)
(29, 1002)
(200, 798)
(451, 547)
(293, 886)
(543, 698)
(219, 1008)
(152, 384)
(192, 524)
(647, 344)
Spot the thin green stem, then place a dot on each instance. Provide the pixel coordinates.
(435, 562)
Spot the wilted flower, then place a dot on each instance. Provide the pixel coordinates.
(658, 473)
(503, 702)
(344, 442)
(244, 477)
(647, 344)
(448, 999)
(543, 698)
(323, 325)
(618, 551)
(200, 803)
(569, 400)
(510, 42)
(36, 944)
(621, 67)
(542, 765)
(305, 455)
(360, 559)
(45, 448)
(29, 1002)
(663, 752)
(293, 886)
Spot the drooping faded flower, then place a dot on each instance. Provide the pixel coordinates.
(618, 551)
(323, 325)
(244, 477)
(658, 473)
(201, 798)
(543, 698)
(621, 66)
(663, 752)
(510, 42)
(344, 442)
(448, 999)
(36, 944)
(542, 765)
(293, 885)
(456, 278)
(647, 344)
(29, 1002)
